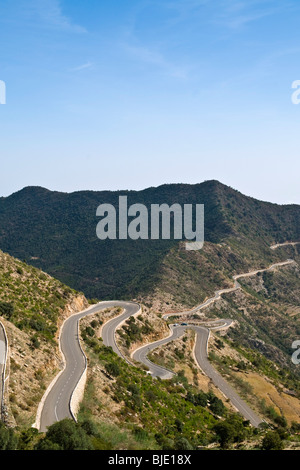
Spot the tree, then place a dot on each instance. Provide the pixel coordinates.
(164, 442)
(28, 439)
(150, 396)
(89, 427)
(133, 389)
(8, 439)
(7, 310)
(179, 425)
(90, 331)
(201, 399)
(181, 443)
(112, 369)
(217, 406)
(225, 433)
(272, 441)
(281, 421)
(65, 435)
(46, 444)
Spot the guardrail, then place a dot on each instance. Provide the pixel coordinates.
(3, 379)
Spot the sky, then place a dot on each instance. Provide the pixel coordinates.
(116, 94)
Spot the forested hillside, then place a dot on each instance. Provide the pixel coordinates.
(57, 233)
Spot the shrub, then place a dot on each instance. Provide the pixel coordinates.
(90, 331)
(8, 439)
(6, 309)
(65, 435)
(272, 441)
(112, 369)
(217, 407)
(35, 344)
(225, 433)
(181, 443)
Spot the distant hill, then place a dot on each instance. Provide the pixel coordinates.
(56, 232)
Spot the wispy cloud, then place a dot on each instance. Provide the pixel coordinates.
(192, 26)
(87, 65)
(49, 13)
(157, 59)
(181, 10)
(148, 50)
(235, 14)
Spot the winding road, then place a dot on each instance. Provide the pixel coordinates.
(278, 245)
(235, 287)
(57, 401)
(200, 354)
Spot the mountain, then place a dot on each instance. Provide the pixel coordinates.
(56, 232)
(124, 409)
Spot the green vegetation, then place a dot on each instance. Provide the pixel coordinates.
(232, 430)
(209, 399)
(267, 327)
(146, 406)
(8, 439)
(54, 225)
(58, 236)
(67, 435)
(272, 441)
(30, 299)
(256, 362)
(134, 330)
(152, 402)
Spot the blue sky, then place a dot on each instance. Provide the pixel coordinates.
(130, 94)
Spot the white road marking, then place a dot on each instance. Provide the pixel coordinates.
(2, 352)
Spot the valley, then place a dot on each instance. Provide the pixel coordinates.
(235, 303)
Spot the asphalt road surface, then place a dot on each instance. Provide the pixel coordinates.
(109, 329)
(202, 336)
(56, 405)
(3, 353)
(140, 355)
(235, 287)
(274, 247)
(204, 364)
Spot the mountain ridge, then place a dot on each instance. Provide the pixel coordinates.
(82, 191)
(56, 232)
